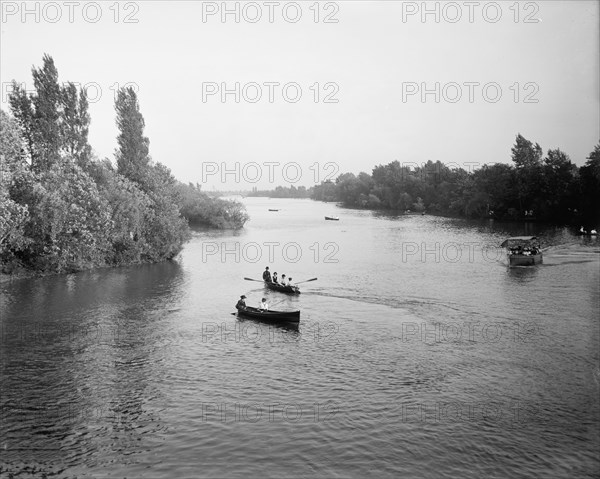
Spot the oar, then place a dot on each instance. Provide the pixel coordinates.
(257, 280)
(312, 279)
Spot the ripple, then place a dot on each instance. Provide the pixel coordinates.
(398, 368)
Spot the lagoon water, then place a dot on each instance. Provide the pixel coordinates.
(419, 354)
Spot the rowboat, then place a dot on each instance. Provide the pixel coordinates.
(275, 316)
(332, 218)
(282, 288)
(272, 209)
(523, 250)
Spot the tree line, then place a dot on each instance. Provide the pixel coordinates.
(282, 192)
(534, 186)
(63, 209)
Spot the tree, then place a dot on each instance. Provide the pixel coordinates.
(128, 206)
(133, 152)
(419, 206)
(498, 181)
(13, 170)
(590, 186)
(11, 149)
(68, 210)
(528, 161)
(70, 221)
(525, 154)
(54, 120)
(38, 115)
(326, 191)
(199, 209)
(558, 193)
(347, 186)
(75, 124)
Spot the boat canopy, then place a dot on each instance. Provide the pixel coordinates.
(519, 240)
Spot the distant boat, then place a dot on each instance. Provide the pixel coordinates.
(523, 250)
(272, 209)
(332, 218)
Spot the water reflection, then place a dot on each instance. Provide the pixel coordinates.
(387, 215)
(522, 274)
(282, 327)
(82, 370)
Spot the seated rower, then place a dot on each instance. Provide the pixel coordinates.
(267, 275)
(241, 304)
(283, 279)
(263, 306)
(289, 281)
(275, 277)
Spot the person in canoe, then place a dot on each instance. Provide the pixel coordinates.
(241, 304)
(263, 306)
(267, 275)
(289, 281)
(283, 279)
(275, 277)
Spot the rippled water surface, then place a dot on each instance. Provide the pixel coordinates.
(419, 354)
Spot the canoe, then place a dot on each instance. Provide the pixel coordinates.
(271, 209)
(277, 316)
(332, 218)
(281, 288)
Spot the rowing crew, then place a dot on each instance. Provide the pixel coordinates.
(267, 277)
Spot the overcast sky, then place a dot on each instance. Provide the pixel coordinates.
(366, 72)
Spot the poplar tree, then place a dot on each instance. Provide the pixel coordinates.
(54, 120)
(132, 154)
(75, 123)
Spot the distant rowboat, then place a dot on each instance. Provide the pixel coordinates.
(271, 209)
(332, 218)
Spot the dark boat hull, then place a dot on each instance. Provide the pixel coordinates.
(524, 260)
(282, 289)
(332, 218)
(273, 316)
